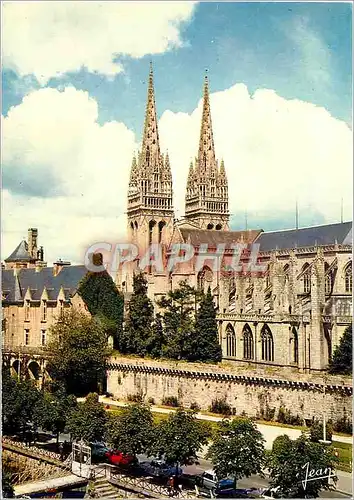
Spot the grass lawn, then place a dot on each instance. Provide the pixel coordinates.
(345, 454)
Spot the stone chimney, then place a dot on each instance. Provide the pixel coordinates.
(32, 242)
(58, 266)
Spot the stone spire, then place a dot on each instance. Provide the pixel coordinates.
(150, 150)
(207, 193)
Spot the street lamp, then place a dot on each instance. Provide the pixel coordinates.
(324, 440)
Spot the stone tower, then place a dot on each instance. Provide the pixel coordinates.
(150, 208)
(207, 188)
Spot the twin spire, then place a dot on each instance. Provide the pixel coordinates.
(150, 177)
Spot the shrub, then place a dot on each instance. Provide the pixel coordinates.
(316, 431)
(343, 425)
(285, 417)
(194, 406)
(268, 413)
(220, 406)
(151, 401)
(135, 398)
(170, 401)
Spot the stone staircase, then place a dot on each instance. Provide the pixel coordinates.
(104, 489)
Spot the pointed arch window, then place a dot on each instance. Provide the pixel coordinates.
(328, 283)
(248, 345)
(27, 310)
(307, 278)
(294, 346)
(44, 310)
(349, 278)
(162, 224)
(205, 278)
(230, 342)
(267, 344)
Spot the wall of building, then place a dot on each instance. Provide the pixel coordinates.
(246, 390)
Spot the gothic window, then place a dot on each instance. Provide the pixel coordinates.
(230, 342)
(161, 226)
(44, 310)
(210, 226)
(26, 337)
(152, 224)
(267, 344)
(61, 307)
(349, 278)
(286, 270)
(294, 346)
(205, 278)
(218, 227)
(27, 310)
(328, 281)
(307, 278)
(43, 337)
(248, 346)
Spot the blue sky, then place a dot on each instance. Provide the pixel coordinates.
(298, 51)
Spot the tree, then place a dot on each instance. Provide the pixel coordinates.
(237, 449)
(78, 352)
(205, 345)
(103, 299)
(157, 341)
(342, 361)
(139, 325)
(6, 484)
(20, 402)
(88, 421)
(180, 437)
(179, 308)
(131, 432)
(291, 461)
(53, 413)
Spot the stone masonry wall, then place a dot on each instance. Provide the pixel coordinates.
(245, 390)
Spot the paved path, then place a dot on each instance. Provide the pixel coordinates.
(270, 432)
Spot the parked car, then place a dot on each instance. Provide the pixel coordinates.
(271, 493)
(116, 457)
(159, 468)
(98, 450)
(209, 481)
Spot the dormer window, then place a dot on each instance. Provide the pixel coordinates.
(44, 310)
(61, 307)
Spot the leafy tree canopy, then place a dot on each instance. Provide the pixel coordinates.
(131, 432)
(138, 328)
(180, 437)
(289, 460)
(237, 449)
(103, 299)
(205, 345)
(78, 352)
(88, 421)
(342, 361)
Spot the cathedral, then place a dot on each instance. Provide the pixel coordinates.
(293, 314)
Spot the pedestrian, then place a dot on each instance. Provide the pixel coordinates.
(170, 485)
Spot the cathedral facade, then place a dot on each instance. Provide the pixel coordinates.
(292, 314)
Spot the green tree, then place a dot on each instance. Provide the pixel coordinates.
(157, 341)
(78, 352)
(180, 437)
(138, 328)
(179, 308)
(6, 484)
(132, 431)
(316, 431)
(103, 299)
(88, 421)
(21, 399)
(205, 344)
(290, 461)
(53, 413)
(237, 449)
(342, 361)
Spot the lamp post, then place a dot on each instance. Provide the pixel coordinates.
(324, 440)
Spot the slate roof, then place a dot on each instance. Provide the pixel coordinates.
(328, 234)
(15, 287)
(213, 238)
(20, 254)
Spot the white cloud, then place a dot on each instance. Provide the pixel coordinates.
(49, 38)
(275, 151)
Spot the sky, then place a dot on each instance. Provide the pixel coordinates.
(74, 93)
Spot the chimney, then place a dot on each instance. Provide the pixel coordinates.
(58, 266)
(32, 242)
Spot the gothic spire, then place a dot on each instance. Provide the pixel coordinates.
(150, 145)
(206, 153)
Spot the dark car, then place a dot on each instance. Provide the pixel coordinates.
(159, 468)
(99, 450)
